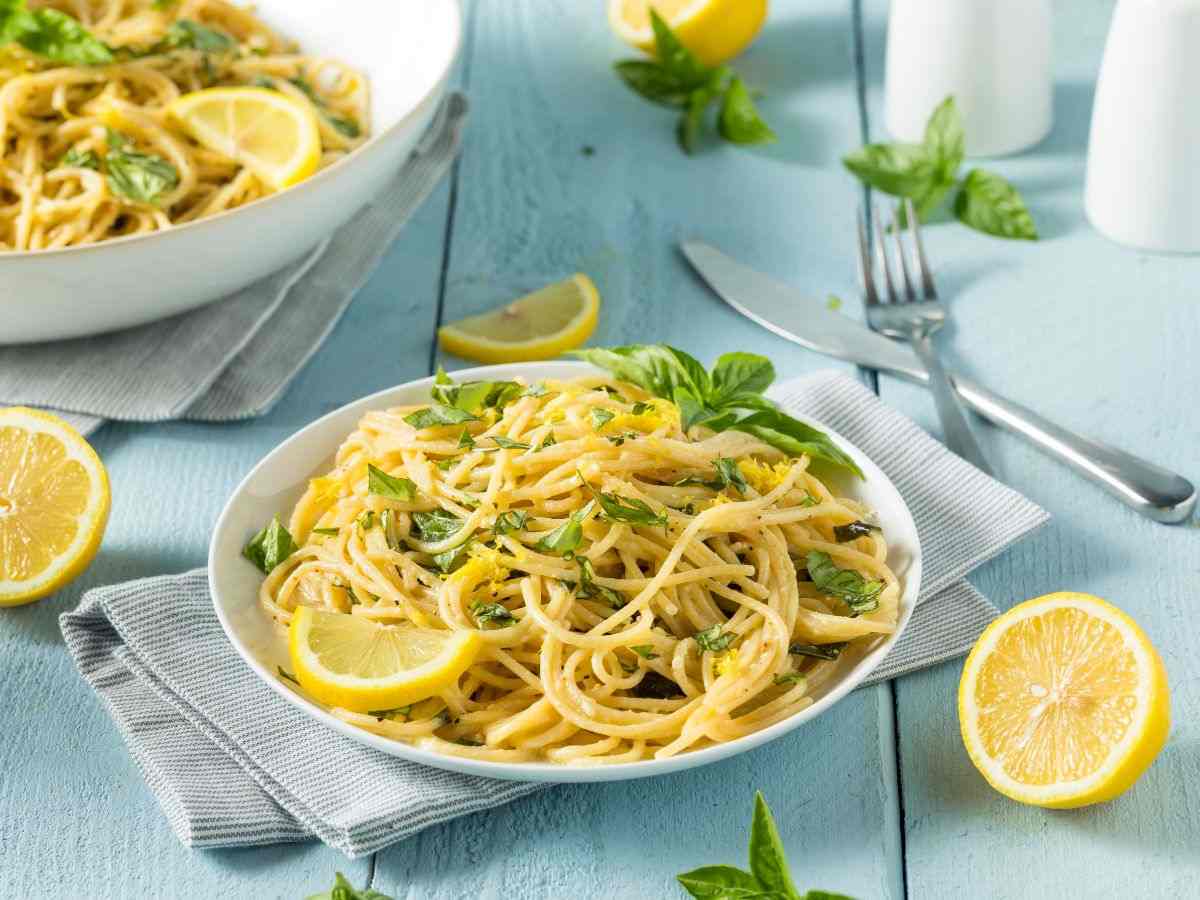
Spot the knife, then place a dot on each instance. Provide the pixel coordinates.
(1151, 490)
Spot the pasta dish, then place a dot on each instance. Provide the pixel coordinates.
(91, 143)
(638, 589)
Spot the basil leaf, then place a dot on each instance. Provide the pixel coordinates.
(654, 686)
(404, 711)
(676, 60)
(492, 614)
(653, 82)
(740, 122)
(589, 589)
(738, 374)
(988, 203)
(437, 525)
(438, 414)
(507, 444)
(270, 547)
(902, 170)
(641, 408)
(795, 438)
(465, 440)
(451, 560)
(511, 521)
(475, 396)
(366, 521)
(789, 678)
(565, 539)
(817, 651)
(767, 861)
(283, 673)
(382, 484)
(722, 883)
(142, 177)
(80, 160)
(347, 127)
(692, 410)
(547, 441)
(645, 651)
(52, 35)
(601, 417)
(186, 34)
(656, 368)
(858, 593)
(328, 532)
(849, 532)
(730, 474)
(691, 121)
(946, 141)
(537, 389)
(714, 639)
(343, 890)
(629, 509)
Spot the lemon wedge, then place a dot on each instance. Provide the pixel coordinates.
(360, 665)
(715, 30)
(1063, 702)
(54, 502)
(275, 136)
(541, 325)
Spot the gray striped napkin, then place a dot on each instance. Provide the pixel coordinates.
(232, 359)
(233, 765)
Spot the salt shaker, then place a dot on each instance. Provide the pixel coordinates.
(994, 57)
(1143, 168)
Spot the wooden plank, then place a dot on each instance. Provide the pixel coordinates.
(1099, 338)
(76, 819)
(534, 206)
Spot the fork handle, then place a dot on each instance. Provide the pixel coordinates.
(955, 427)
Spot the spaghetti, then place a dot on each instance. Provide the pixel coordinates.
(640, 591)
(87, 152)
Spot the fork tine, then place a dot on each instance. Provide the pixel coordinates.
(864, 262)
(882, 256)
(922, 264)
(910, 293)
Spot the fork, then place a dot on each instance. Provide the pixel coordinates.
(902, 314)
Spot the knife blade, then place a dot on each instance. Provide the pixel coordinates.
(1149, 489)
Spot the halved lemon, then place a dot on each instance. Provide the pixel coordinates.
(360, 665)
(541, 325)
(274, 135)
(54, 502)
(715, 30)
(1063, 702)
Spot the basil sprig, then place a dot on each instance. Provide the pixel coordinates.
(927, 172)
(679, 80)
(382, 484)
(729, 398)
(270, 547)
(343, 890)
(849, 586)
(769, 876)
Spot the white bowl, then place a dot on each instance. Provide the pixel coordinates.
(276, 483)
(405, 47)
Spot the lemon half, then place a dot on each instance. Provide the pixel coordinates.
(54, 502)
(1063, 702)
(714, 30)
(274, 135)
(360, 665)
(541, 325)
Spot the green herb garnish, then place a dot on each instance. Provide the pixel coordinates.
(343, 890)
(438, 414)
(465, 440)
(492, 614)
(328, 532)
(926, 173)
(817, 651)
(436, 525)
(679, 80)
(346, 127)
(589, 589)
(86, 159)
(858, 593)
(473, 396)
(508, 444)
(565, 539)
(142, 177)
(404, 711)
(789, 678)
(52, 35)
(270, 547)
(730, 474)
(714, 639)
(537, 389)
(727, 399)
(768, 878)
(645, 651)
(629, 509)
(601, 417)
(511, 521)
(283, 673)
(381, 484)
(468, 742)
(366, 519)
(852, 530)
(184, 34)
(452, 560)
(548, 441)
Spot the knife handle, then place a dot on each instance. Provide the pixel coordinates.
(1151, 490)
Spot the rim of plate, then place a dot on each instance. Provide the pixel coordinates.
(316, 178)
(545, 771)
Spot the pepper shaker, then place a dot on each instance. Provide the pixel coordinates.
(993, 57)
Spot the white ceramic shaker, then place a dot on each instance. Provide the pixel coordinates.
(994, 56)
(1143, 172)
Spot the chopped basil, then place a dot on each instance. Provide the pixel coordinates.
(714, 639)
(366, 520)
(347, 127)
(436, 525)
(465, 440)
(283, 673)
(730, 474)
(789, 678)
(142, 177)
(809, 500)
(817, 651)
(382, 484)
(270, 547)
(329, 532)
(387, 521)
(445, 465)
(492, 614)
(511, 521)
(186, 34)
(452, 560)
(547, 441)
(565, 539)
(87, 159)
(601, 417)
(52, 35)
(404, 711)
(589, 589)
(629, 509)
(507, 444)
(645, 651)
(654, 686)
(641, 408)
(853, 530)
(438, 414)
(858, 593)
(473, 396)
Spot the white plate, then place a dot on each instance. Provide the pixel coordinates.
(405, 47)
(276, 483)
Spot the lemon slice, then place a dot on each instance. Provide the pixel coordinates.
(1063, 702)
(360, 665)
(541, 325)
(715, 30)
(274, 135)
(54, 502)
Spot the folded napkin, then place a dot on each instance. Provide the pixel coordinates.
(232, 764)
(231, 359)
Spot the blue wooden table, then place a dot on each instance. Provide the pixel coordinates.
(877, 798)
